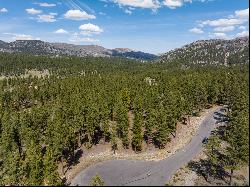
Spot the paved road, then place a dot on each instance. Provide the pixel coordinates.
(148, 173)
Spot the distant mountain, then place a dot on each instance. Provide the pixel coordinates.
(133, 55)
(37, 47)
(214, 51)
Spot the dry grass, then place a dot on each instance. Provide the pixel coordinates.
(183, 177)
(28, 73)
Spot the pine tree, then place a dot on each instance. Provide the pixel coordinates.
(97, 181)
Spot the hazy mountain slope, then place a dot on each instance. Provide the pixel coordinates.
(3, 46)
(81, 50)
(211, 52)
(37, 47)
(133, 54)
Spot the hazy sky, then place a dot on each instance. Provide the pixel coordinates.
(154, 26)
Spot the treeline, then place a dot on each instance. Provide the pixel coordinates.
(17, 64)
(228, 148)
(44, 120)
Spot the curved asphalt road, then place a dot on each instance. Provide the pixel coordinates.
(148, 173)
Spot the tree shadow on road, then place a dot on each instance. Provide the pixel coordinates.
(74, 159)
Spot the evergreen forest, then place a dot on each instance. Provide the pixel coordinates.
(82, 101)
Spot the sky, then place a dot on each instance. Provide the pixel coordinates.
(154, 26)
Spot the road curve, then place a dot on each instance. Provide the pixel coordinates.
(148, 173)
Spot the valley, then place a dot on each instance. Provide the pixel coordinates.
(124, 93)
(56, 110)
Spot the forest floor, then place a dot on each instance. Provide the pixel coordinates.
(186, 177)
(32, 73)
(103, 152)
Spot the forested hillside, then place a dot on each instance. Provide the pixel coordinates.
(38, 47)
(216, 51)
(84, 100)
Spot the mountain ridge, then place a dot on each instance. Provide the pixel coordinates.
(213, 51)
(39, 47)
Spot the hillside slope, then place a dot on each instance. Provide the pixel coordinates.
(37, 47)
(214, 51)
